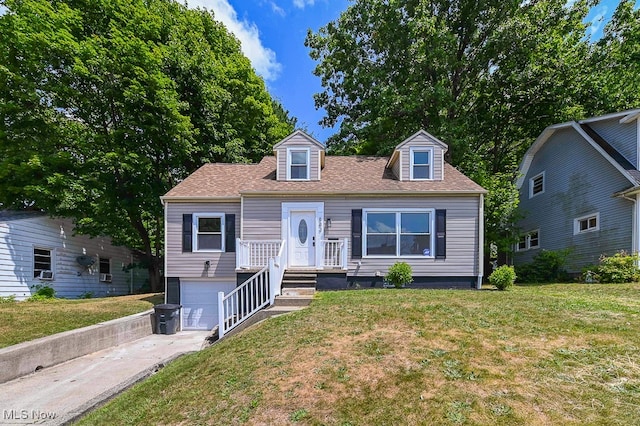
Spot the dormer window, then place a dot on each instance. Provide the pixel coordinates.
(421, 164)
(298, 163)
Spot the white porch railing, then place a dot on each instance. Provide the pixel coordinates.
(335, 253)
(252, 295)
(251, 254)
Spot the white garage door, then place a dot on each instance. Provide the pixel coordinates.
(200, 303)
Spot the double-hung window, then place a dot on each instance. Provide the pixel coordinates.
(298, 163)
(208, 232)
(398, 233)
(421, 160)
(42, 261)
(530, 240)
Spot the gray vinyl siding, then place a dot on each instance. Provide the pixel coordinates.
(18, 238)
(622, 137)
(396, 169)
(263, 215)
(191, 264)
(421, 142)
(578, 182)
(298, 141)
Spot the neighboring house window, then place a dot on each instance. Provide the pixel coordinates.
(105, 265)
(530, 240)
(536, 185)
(298, 167)
(208, 232)
(398, 233)
(586, 223)
(42, 261)
(421, 164)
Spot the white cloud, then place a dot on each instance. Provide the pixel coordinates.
(262, 58)
(302, 3)
(277, 9)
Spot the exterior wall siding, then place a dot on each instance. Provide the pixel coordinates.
(623, 137)
(298, 141)
(578, 182)
(192, 264)
(263, 215)
(71, 280)
(421, 141)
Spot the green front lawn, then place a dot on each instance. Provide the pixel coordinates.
(536, 355)
(23, 321)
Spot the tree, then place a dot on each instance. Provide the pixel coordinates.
(485, 76)
(107, 104)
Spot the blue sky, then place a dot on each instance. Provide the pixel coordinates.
(272, 33)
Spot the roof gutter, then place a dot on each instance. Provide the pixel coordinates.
(407, 193)
(197, 199)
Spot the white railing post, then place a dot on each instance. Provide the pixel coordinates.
(345, 254)
(221, 315)
(272, 281)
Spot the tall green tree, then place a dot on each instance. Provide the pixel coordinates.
(484, 75)
(106, 104)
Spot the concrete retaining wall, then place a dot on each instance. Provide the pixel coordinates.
(25, 358)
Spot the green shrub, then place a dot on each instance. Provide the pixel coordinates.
(547, 266)
(7, 299)
(619, 268)
(43, 292)
(503, 277)
(399, 274)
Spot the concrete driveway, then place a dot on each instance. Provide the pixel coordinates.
(59, 394)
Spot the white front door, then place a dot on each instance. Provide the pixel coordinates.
(302, 238)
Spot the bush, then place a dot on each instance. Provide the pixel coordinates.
(619, 268)
(547, 266)
(43, 292)
(399, 274)
(503, 277)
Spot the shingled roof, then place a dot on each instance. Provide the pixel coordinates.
(341, 175)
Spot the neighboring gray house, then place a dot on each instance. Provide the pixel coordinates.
(343, 220)
(38, 250)
(579, 184)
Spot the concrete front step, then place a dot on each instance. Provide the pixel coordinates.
(298, 291)
(293, 300)
(286, 283)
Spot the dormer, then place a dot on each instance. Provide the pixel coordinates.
(299, 157)
(419, 158)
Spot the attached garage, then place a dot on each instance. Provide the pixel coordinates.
(199, 301)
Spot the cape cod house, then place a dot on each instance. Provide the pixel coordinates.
(232, 230)
(580, 190)
(36, 250)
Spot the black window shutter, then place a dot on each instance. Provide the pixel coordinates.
(230, 233)
(441, 234)
(356, 234)
(187, 233)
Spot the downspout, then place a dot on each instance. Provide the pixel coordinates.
(165, 205)
(480, 241)
(635, 240)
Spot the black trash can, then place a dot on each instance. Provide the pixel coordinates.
(167, 318)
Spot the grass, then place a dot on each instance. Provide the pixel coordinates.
(23, 321)
(536, 355)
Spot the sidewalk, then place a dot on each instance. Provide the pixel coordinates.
(59, 394)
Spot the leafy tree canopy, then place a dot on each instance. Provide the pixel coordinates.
(107, 104)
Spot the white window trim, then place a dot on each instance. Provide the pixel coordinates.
(308, 152)
(544, 184)
(527, 236)
(576, 223)
(194, 232)
(33, 260)
(417, 149)
(432, 218)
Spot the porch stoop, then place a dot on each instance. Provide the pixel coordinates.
(298, 288)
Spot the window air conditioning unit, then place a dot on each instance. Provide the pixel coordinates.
(46, 275)
(105, 278)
